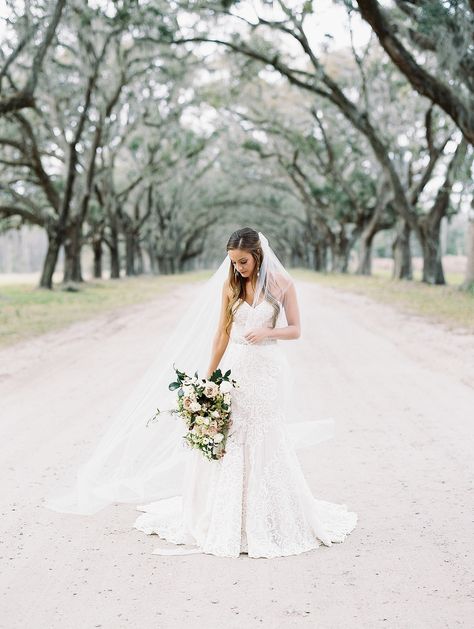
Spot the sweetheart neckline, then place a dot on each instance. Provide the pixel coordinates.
(253, 307)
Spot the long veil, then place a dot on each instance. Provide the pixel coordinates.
(135, 461)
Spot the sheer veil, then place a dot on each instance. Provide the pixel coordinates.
(135, 461)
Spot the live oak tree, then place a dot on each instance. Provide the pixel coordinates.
(50, 152)
(430, 42)
(259, 38)
(53, 148)
(139, 145)
(327, 169)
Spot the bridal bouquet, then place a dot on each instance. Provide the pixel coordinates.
(205, 406)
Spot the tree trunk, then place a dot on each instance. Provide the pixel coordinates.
(114, 264)
(370, 228)
(431, 245)
(429, 226)
(72, 252)
(51, 259)
(340, 251)
(139, 266)
(129, 252)
(402, 267)
(166, 265)
(154, 265)
(113, 244)
(364, 266)
(320, 256)
(97, 249)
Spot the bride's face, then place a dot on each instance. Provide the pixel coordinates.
(243, 261)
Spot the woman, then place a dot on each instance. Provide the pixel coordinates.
(255, 499)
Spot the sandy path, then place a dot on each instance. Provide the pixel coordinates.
(402, 393)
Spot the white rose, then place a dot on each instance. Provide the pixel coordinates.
(218, 438)
(211, 389)
(187, 402)
(225, 386)
(195, 407)
(215, 414)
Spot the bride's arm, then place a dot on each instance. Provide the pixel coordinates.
(221, 338)
(292, 313)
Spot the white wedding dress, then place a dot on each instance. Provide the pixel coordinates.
(255, 499)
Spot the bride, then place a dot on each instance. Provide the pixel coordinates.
(255, 499)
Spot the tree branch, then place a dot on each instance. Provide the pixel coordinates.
(423, 82)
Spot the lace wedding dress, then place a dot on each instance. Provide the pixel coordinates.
(255, 499)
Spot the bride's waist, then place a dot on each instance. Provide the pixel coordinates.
(241, 340)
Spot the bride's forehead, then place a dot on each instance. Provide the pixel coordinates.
(236, 254)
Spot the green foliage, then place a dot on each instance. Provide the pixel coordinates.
(135, 144)
(432, 14)
(10, 222)
(252, 145)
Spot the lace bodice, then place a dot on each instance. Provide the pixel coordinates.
(247, 317)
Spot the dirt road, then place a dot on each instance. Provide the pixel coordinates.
(402, 393)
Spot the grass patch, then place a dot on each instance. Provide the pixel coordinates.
(27, 311)
(442, 304)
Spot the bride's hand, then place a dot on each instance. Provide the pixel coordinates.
(256, 335)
